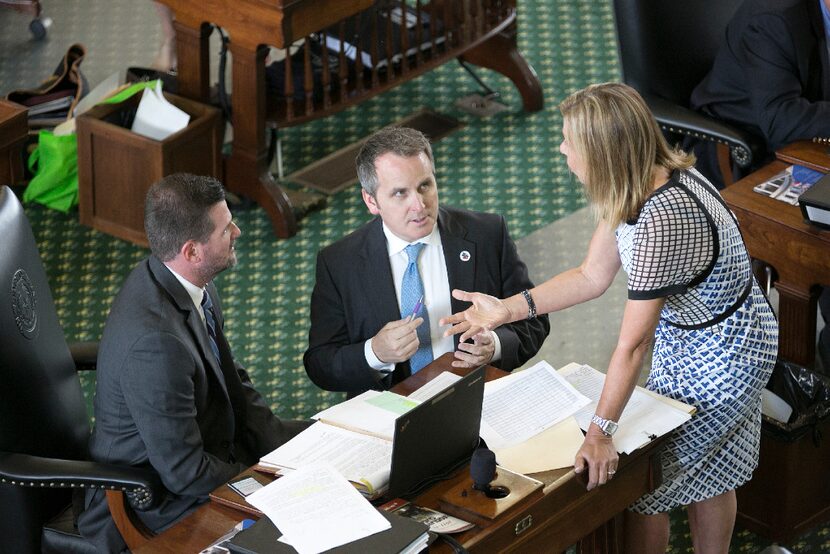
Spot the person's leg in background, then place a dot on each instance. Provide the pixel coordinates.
(166, 57)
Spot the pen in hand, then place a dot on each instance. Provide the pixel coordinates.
(418, 305)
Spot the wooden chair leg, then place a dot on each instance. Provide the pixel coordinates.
(132, 529)
(724, 164)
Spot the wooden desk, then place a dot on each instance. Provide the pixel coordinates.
(565, 515)
(788, 494)
(775, 233)
(482, 32)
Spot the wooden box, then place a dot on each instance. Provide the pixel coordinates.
(116, 167)
(790, 490)
(13, 133)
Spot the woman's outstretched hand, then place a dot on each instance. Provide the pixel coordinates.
(486, 313)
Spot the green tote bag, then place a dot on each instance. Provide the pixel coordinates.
(54, 164)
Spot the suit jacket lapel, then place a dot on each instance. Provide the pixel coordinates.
(378, 272)
(456, 246)
(193, 319)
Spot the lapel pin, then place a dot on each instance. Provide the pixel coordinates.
(465, 256)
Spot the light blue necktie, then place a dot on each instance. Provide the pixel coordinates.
(412, 290)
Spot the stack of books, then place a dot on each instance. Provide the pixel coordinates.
(50, 109)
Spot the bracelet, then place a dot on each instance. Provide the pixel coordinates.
(531, 305)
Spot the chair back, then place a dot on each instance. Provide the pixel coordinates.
(42, 408)
(666, 47)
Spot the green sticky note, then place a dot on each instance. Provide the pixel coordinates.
(392, 402)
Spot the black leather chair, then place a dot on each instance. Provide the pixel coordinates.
(666, 47)
(43, 419)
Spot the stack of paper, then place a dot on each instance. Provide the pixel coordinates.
(525, 403)
(362, 459)
(646, 416)
(316, 509)
(536, 423)
(355, 437)
(157, 118)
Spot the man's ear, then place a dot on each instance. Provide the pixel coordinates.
(191, 252)
(371, 202)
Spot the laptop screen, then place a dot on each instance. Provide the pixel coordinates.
(437, 435)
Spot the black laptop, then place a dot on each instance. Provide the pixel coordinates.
(436, 436)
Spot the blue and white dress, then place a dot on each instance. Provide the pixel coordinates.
(716, 342)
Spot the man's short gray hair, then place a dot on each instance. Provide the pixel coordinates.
(401, 141)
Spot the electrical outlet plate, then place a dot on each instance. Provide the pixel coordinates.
(479, 105)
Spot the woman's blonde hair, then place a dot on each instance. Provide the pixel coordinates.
(612, 129)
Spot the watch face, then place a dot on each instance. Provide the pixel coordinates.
(607, 426)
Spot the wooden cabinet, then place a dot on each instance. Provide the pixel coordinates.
(13, 132)
(116, 166)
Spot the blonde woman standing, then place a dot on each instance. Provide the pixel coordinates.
(691, 295)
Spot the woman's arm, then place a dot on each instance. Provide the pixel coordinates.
(571, 287)
(636, 337)
(587, 281)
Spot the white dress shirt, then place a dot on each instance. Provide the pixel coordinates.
(193, 291)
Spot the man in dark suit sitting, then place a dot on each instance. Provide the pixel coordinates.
(169, 394)
(381, 290)
(772, 76)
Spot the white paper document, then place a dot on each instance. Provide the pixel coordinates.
(645, 417)
(156, 118)
(316, 509)
(362, 459)
(372, 412)
(525, 403)
(436, 385)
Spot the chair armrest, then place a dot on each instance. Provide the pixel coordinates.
(744, 146)
(85, 355)
(142, 486)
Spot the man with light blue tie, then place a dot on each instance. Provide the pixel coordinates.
(381, 290)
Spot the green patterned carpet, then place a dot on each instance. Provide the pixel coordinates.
(508, 164)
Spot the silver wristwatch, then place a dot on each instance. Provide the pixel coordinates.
(607, 426)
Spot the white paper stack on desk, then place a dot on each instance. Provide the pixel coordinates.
(647, 415)
(354, 436)
(540, 418)
(316, 510)
(532, 420)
